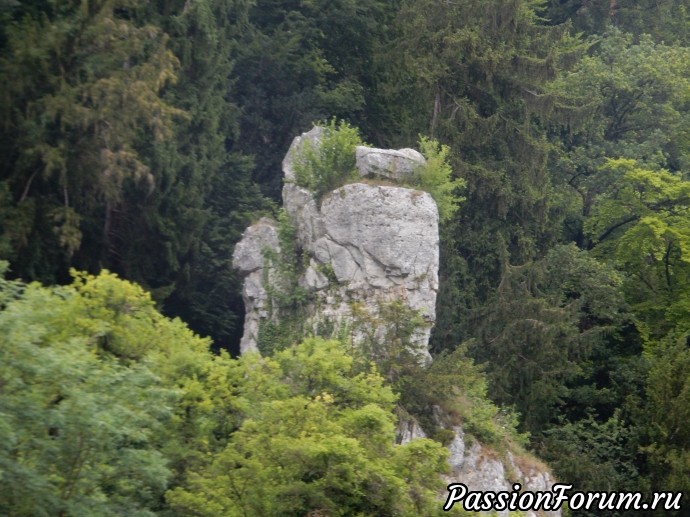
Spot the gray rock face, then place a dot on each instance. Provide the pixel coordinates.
(367, 245)
(387, 163)
(382, 245)
(248, 258)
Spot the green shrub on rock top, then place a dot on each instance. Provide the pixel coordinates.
(331, 163)
(436, 177)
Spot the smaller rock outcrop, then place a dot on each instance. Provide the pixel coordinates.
(482, 469)
(249, 258)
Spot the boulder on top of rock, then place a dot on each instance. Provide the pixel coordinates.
(395, 164)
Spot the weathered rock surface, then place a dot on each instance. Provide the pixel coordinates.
(249, 259)
(366, 245)
(481, 469)
(397, 164)
(382, 245)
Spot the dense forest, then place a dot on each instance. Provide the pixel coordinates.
(140, 139)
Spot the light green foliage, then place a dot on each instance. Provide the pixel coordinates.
(634, 105)
(436, 178)
(78, 427)
(331, 163)
(105, 402)
(318, 437)
(106, 405)
(643, 225)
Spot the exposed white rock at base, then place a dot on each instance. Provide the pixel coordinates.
(395, 164)
(481, 469)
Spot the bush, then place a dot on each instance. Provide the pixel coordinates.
(332, 163)
(436, 178)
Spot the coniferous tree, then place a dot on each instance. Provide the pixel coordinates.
(304, 62)
(206, 197)
(82, 85)
(473, 75)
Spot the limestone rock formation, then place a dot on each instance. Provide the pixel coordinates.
(362, 246)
